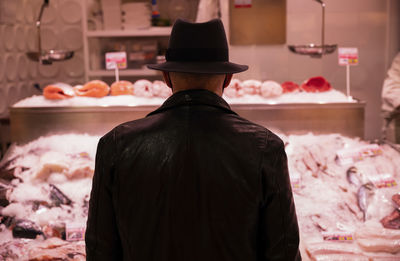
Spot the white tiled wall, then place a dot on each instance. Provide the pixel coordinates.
(349, 23)
(61, 29)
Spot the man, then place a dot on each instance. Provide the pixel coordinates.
(391, 99)
(193, 180)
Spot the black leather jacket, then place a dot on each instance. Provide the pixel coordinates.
(191, 181)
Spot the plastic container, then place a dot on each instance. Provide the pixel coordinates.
(141, 52)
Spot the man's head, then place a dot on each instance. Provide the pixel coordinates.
(180, 81)
(198, 57)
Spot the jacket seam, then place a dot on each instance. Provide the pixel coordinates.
(281, 211)
(120, 231)
(265, 143)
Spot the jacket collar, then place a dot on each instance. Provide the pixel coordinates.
(194, 97)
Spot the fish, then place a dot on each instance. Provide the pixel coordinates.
(6, 171)
(13, 250)
(319, 223)
(6, 220)
(363, 196)
(331, 251)
(56, 249)
(58, 91)
(396, 200)
(38, 204)
(26, 229)
(352, 176)
(391, 221)
(372, 237)
(85, 205)
(3, 195)
(57, 197)
(95, 88)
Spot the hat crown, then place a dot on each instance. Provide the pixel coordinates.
(198, 42)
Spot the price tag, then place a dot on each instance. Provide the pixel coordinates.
(348, 56)
(352, 155)
(242, 3)
(75, 231)
(383, 181)
(337, 236)
(116, 60)
(295, 180)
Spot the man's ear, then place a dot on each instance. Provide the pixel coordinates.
(227, 81)
(167, 80)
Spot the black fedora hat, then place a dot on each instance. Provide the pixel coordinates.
(198, 48)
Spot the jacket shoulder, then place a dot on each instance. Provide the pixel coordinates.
(271, 139)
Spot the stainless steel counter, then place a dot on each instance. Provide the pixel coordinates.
(346, 118)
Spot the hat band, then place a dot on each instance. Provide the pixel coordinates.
(197, 55)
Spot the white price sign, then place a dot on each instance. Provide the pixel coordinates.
(348, 56)
(116, 60)
(243, 3)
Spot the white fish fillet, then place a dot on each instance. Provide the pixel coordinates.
(372, 237)
(341, 257)
(329, 248)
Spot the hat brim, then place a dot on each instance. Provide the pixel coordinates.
(200, 67)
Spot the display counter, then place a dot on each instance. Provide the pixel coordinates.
(345, 118)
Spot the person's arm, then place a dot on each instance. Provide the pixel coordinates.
(279, 231)
(102, 238)
(391, 87)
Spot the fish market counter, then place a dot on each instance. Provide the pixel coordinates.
(29, 123)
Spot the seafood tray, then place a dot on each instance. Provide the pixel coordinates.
(31, 123)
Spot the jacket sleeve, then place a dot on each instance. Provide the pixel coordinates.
(102, 238)
(391, 87)
(279, 231)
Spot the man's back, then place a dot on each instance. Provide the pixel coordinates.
(193, 181)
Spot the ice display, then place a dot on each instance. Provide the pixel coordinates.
(345, 190)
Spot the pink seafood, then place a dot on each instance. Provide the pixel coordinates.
(251, 87)
(396, 199)
(392, 220)
(316, 84)
(160, 89)
(95, 88)
(270, 89)
(122, 88)
(143, 88)
(289, 86)
(58, 91)
(234, 89)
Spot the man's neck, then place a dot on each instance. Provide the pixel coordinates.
(217, 91)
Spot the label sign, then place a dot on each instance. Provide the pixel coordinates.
(348, 56)
(383, 181)
(352, 155)
(337, 236)
(116, 59)
(242, 3)
(295, 180)
(75, 231)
